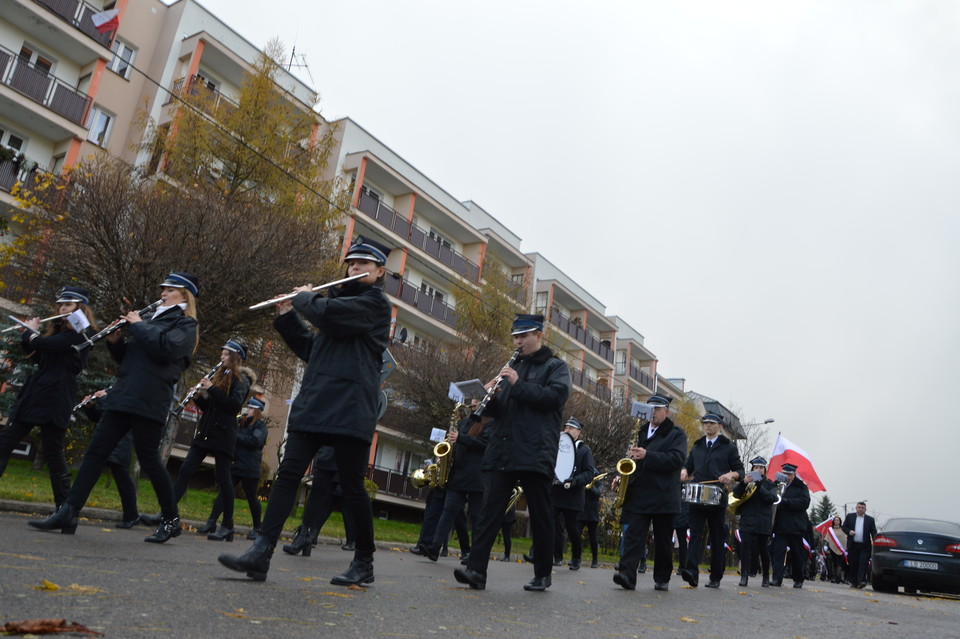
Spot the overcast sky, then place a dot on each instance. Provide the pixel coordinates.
(766, 190)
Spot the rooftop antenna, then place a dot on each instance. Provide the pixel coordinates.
(299, 61)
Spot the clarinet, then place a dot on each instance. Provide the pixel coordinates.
(193, 391)
(90, 341)
(477, 414)
(92, 398)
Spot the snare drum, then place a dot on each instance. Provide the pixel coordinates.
(702, 494)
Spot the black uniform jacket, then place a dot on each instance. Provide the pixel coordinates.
(251, 437)
(217, 429)
(655, 484)
(50, 393)
(528, 416)
(583, 471)
(705, 464)
(150, 363)
(791, 516)
(591, 503)
(756, 514)
(338, 393)
(465, 474)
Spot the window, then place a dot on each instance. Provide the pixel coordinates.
(203, 80)
(431, 291)
(541, 304)
(58, 162)
(517, 278)
(12, 141)
(100, 125)
(123, 57)
(40, 62)
(435, 235)
(621, 358)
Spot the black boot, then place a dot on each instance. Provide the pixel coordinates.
(208, 527)
(574, 564)
(223, 533)
(254, 532)
(360, 572)
(127, 524)
(151, 520)
(743, 580)
(301, 543)
(255, 562)
(431, 551)
(65, 519)
(168, 529)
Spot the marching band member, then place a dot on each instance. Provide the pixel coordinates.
(337, 403)
(527, 415)
(713, 457)
(589, 518)
(653, 496)
(568, 498)
(789, 527)
(50, 393)
(756, 521)
(149, 364)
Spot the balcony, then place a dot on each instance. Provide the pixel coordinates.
(392, 482)
(389, 218)
(79, 15)
(427, 304)
(210, 100)
(640, 376)
(43, 88)
(12, 172)
(580, 334)
(587, 383)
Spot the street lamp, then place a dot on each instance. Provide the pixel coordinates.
(769, 420)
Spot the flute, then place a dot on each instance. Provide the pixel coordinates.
(19, 324)
(284, 298)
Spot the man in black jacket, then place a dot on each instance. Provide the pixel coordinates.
(713, 458)
(568, 498)
(860, 529)
(789, 527)
(756, 519)
(527, 412)
(653, 496)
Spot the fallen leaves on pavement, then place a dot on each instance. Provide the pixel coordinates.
(46, 627)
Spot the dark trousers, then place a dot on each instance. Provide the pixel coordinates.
(322, 501)
(635, 541)
(222, 462)
(431, 515)
(681, 546)
(748, 543)
(506, 529)
(797, 556)
(712, 516)
(52, 439)
(859, 553)
(351, 455)
(147, 434)
(591, 527)
(566, 520)
(453, 504)
(127, 491)
(250, 486)
(536, 487)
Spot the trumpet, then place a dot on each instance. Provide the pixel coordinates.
(45, 319)
(193, 391)
(284, 298)
(420, 477)
(595, 480)
(90, 341)
(477, 414)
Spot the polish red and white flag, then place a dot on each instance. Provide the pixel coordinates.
(786, 452)
(106, 20)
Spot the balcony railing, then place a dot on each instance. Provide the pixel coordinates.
(587, 383)
(393, 482)
(413, 296)
(12, 172)
(390, 219)
(580, 334)
(79, 15)
(43, 88)
(210, 99)
(641, 377)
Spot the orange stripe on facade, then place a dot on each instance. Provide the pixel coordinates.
(361, 173)
(73, 153)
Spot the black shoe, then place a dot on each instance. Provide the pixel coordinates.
(472, 578)
(223, 534)
(765, 583)
(301, 542)
(151, 520)
(574, 564)
(776, 583)
(505, 558)
(798, 584)
(622, 579)
(254, 532)
(642, 569)
(863, 584)
(662, 586)
(64, 519)
(208, 527)
(713, 583)
(255, 562)
(417, 550)
(743, 581)
(360, 572)
(350, 546)
(690, 577)
(558, 562)
(168, 529)
(444, 552)
(126, 524)
(538, 584)
(594, 563)
(528, 559)
(431, 551)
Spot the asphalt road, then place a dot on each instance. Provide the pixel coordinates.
(111, 581)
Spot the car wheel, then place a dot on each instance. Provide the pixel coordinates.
(882, 585)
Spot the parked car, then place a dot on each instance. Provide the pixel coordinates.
(918, 554)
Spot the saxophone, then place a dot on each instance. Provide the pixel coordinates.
(443, 452)
(626, 467)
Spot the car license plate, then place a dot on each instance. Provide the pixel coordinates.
(921, 565)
